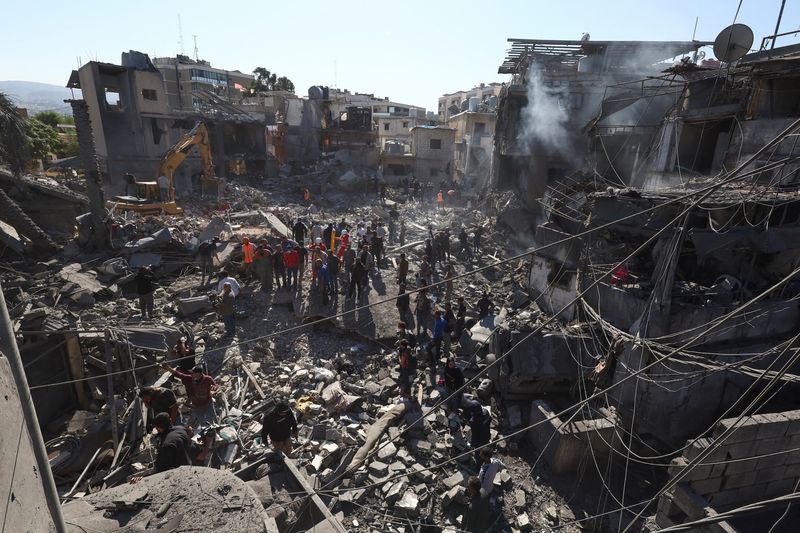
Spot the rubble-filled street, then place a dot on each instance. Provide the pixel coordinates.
(564, 297)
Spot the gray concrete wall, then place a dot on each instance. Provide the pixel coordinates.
(21, 484)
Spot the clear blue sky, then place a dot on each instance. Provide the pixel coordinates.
(411, 51)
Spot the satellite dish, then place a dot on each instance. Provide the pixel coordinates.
(733, 43)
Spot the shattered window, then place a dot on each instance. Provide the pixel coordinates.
(149, 94)
(436, 144)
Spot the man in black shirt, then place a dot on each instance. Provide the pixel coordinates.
(299, 230)
(279, 425)
(207, 250)
(403, 303)
(174, 448)
(453, 380)
(145, 286)
(160, 400)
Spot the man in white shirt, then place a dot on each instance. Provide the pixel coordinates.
(488, 471)
(163, 187)
(225, 278)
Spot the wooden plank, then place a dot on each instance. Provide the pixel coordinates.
(254, 380)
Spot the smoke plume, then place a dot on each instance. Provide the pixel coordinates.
(544, 120)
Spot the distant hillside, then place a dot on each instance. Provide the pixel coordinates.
(37, 96)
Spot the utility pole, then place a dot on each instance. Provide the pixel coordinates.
(9, 349)
(778, 25)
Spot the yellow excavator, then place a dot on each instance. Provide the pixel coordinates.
(148, 192)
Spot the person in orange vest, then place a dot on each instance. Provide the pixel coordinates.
(440, 199)
(344, 243)
(248, 254)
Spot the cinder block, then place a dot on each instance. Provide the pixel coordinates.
(771, 461)
(779, 488)
(705, 487)
(740, 467)
(769, 475)
(736, 481)
(700, 446)
(741, 449)
(771, 446)
(724, 499)
(794, 421)
(751, 493)
(746, 429)
(771, 425)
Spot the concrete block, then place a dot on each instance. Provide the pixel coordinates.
(724, 499)
(455, 480)
(394, 492)
(751, 493)
(792, 471)
(771, 425)
(524, 522)
(794, 422)
(771, 461)
(700, 445)
(387, 451)
(741, 450)
(378, 468)
(775, 445)
(746, 429)
(705, 487)
(408, 505)
(768, 475)
(451, 495)
(189, 306)
(740, 467)
(779, 488)
(736, 481)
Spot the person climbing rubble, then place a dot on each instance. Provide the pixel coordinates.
(489, 469)
(173, 450)
(480, 422)
(476, 516)
(160, 400)
(280, 425)
(146, 283)
(200, 390)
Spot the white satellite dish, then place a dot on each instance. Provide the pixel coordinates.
(733, 43)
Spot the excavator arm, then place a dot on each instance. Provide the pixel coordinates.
(172, 159)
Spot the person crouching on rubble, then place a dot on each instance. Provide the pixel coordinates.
(280, 425)
(174, 448)
(200, 389)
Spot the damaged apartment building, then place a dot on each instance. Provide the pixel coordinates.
(137, 110)
(667, 248)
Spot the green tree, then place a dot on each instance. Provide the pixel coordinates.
(42, 139)
(264, 80)
(284, 84)
(51, 118)
(12, 135)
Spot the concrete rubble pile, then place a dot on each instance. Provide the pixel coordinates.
(340, 376)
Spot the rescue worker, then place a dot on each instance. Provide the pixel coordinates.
(173, 450)
(160, 400)
(402, 269)
(226, 309)
(453, 380)
(248, 254)
(422, 310)
(207, 250)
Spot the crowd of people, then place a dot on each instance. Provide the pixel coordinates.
(338, 259)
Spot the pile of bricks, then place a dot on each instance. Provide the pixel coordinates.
(759, 460)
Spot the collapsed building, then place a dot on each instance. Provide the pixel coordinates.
(664, 259)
